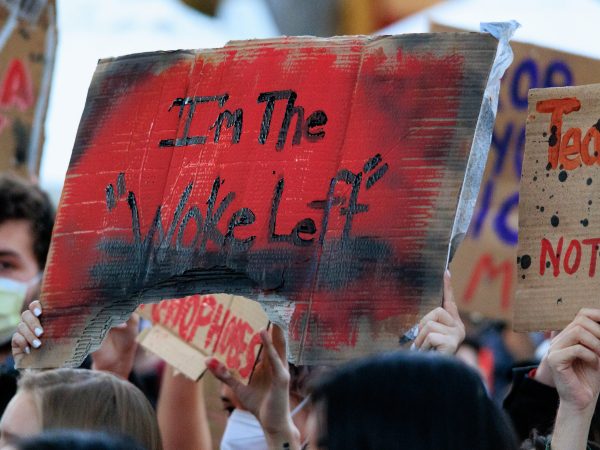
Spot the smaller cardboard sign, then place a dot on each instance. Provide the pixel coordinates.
(187, 331)
(27, 51)
(559, 216)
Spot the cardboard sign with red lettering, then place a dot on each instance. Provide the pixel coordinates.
(484, 274)
(558, 213)
(27, 48)
(187, 331)
(321, 172)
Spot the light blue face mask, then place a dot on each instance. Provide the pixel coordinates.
(243, 430)
(12, 296)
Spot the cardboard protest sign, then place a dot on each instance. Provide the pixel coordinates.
(484, 274)
(27, 48)
(558, 217)
(187, 331)
(324, 173)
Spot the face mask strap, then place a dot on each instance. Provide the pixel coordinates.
(36, 279)
(300, 405)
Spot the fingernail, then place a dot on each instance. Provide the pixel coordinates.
(27, 350)
(36, 343)
(37, 312)
(38, 331)
(212, 364)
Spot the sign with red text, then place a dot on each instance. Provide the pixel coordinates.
(484, 274)
(189, 330)
(558, 214)
(317, 174)
(27, 49)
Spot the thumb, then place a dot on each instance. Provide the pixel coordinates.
(448, 302)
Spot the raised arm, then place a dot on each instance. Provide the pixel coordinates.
(187, 431)
(267, 394)
(574, 364)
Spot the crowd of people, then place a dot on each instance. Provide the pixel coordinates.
(442, 393)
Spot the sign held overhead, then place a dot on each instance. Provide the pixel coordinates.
(321, 175)
(27, 50)
(558, 214)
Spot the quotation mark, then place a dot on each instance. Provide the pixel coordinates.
(370, 165)
(111, 198)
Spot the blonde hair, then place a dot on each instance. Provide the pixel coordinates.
(92, 400)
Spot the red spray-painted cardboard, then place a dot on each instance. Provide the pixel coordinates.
(321, 172)
(187, 331)
(558, 212)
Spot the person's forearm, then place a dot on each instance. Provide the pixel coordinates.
(572, 427)
(181, 413)
(288, 439)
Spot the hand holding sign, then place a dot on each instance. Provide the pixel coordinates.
(573, 361)
(116, 354)
(267, 395)
(442, 329)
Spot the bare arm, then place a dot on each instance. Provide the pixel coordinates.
(267, 395)
(181, 412)
(574, 364)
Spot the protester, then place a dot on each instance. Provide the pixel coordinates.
(403, 400)
(75, 440)
(79, 399)
(26, 221)
(568, 378)
(441, 330)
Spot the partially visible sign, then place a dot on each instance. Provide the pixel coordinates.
(187, 331)
(27, 48)
(321, 172)
(559, 216)
(484, 274)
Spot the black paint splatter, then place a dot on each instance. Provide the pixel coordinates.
(548, 166)
(525, 261)
(542, 209)
(111, 201)
(554, 221)
(547, 264)
(121, 187)
(589, 181)
(562, 176)
(553, 139)
(559, 301)
(584, 222)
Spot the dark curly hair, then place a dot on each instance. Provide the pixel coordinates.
(21, 200)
